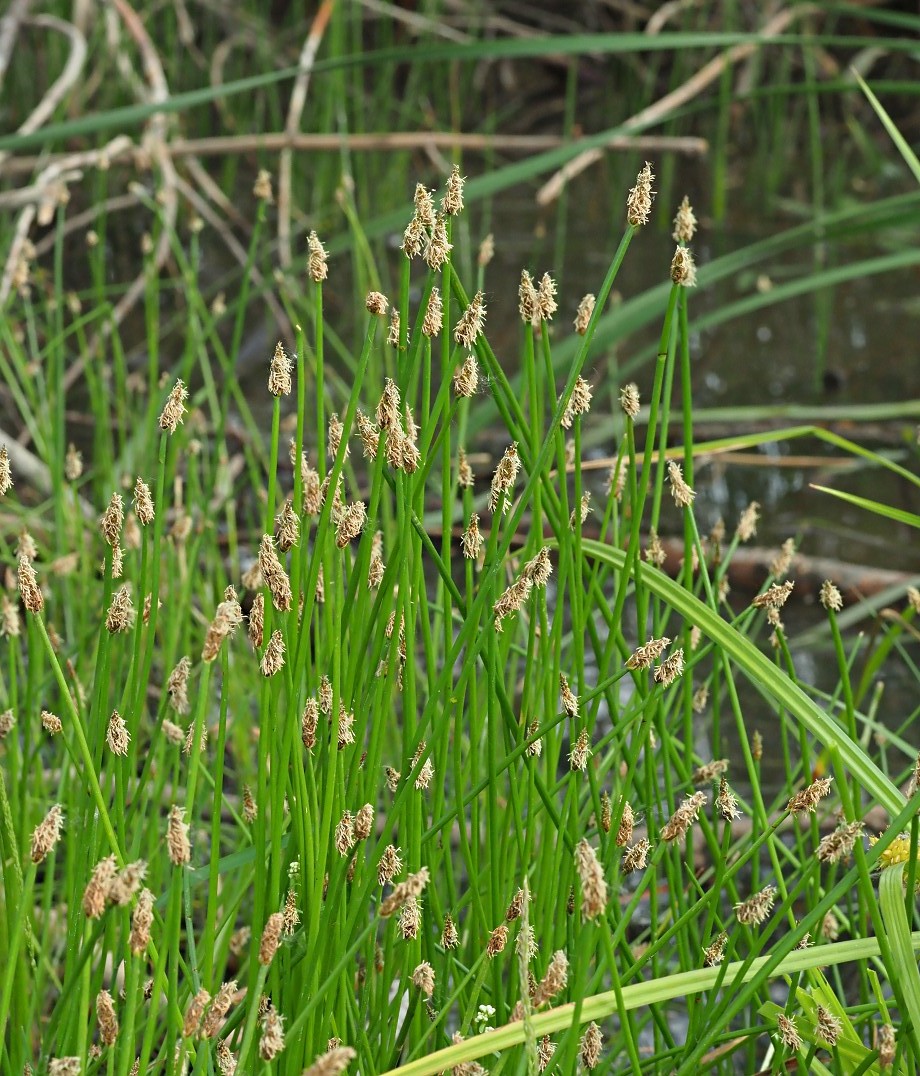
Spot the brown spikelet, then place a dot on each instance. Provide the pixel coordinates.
(195, 1012)
(636, 856)
(591, 1043)
(47, 833)
(627, 822)
(839, 844)
(174, 408)
(335, 1060)
(438, 248)
(423, 978)
(141, 922)
(830, 596)
(683, 268)
(29, 589)
(807, 799)
(6, 474)
(434, 315)
(629, 400)
(96, 894)
(683, 495)
(452, 203)
(639, 202)
(121, 613)
(271, 1042)
(679, 822)
(583, 314)
(108, 1021)
(593, 884)
(756, 909)
(177, 842)
(210, 1029)
(271, 938)
(287, 527)
(376, 304)
(273, 658)
(413, 886)
(256, 621)
(113, 520)
(51, 723)
(469, 327)
(316, 259)
(262, 188)
(117, 736)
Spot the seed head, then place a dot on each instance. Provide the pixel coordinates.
(345, 834)
(121, 614)
(438, 249)
(591, 1044)
(684, 223)
(839, 844)
(469, 327)
(7, 723)
(275, 576)
(546, 297)
(117, 736)
(829, 1027)
(554, 981)
(465, 476)
(452, 202)
(219, 1009)
(639, 202)
(466, 378)
(703, 775)
(174, 408)
(273, 658)
(504, 478)
(756, 909)
(336, 1059)
(108, 1021)
(486, 250)
(683, 495)
(583, 314)
(271, 1042)
(415, 238)
(528, 300)
(579, 403)
(262, 188)
(788, 1032)
(65, 1066)
(713, 954)
(685, 815)
(51, 723)
(627, 822)
(511, 600)
(774, 597)
(449, 937)
(593, 885)
(316, 260)
(226, 1062)
(498, 939)
(423, 978)
(747, 524)
(194, 1012)
(727, 803)
(364, 822)
(256, 621)
(271, 938)
(670, 669)
(413, 886)
(47, 833)
(6, 474)
(807, 799)
(885, 1041)
(287, 527)
(177, 842)
(141, 921)
(830, 596)
(350, 524)
(376, 304)
(410, 918)
(646, 655)
(567, 697)
(113, 520)
(97, 889)
(29, 589)
(126, 883)
(390, 865)
(434, 315)
(393, 334)
(580, 753)
(683, 268)
(226, 620)
(629, 399)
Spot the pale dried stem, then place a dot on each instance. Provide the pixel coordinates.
(393, 141)
(662, 108)
(295, 109)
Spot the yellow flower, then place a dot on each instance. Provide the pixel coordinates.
(896, 852)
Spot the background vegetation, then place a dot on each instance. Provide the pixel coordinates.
(512, 763)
